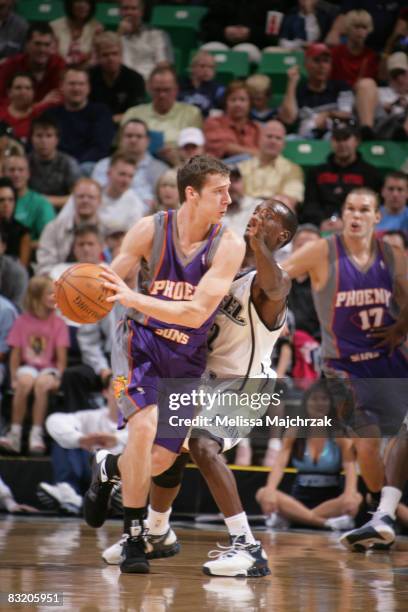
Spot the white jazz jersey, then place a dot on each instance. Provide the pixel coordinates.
(240, 344)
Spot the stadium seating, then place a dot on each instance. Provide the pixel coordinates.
(37, 10)
(307, 153)
(384, 154)
(231, 65)
(182, 23)
(108, 14)
(276, 64)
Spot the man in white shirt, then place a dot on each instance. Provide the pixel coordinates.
(143, 47)
(120, 207)
(74, 436)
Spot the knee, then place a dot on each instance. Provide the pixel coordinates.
(368, 448)
(25, 384)
(142, 426)
(45, 384)
(161, 463)
(204, 452)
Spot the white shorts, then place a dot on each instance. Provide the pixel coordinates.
(27, 370)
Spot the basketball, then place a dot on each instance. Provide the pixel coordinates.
(80, 294)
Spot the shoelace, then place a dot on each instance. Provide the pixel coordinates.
(227, 551)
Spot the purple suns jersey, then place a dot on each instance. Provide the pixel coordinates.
(170, 276)
(354, 302)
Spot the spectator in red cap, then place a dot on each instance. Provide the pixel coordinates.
(318, 101)
(354, 60)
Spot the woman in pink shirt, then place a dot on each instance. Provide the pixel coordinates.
(233, 132)
(39, 341)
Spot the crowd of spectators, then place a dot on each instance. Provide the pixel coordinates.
(93, 126)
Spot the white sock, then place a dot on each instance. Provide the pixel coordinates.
(238, 525)
(16, 429)
(37, 430)
(390, 497)
(157, 522)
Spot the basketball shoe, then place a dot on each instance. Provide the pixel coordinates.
(378, 531)
(157, 547)
(96, 499)
(239, 559)
(60, 497)
(133, 558)
(11, 442)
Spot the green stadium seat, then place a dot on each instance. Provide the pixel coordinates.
(40, 10)
(385, 155)
(276, 64)
(307, 153)
(108, 14)
(182, 23)
(231, 65)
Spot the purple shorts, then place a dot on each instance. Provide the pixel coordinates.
(379, 388)
(140, 359)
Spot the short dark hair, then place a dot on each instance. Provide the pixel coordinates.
(68, 8)
(44, 121)
(195, 171)
(158, 70)
(398, 175)
(364, 191)
(5, 182)
(39, 27)
(308, 227)
(288, 217)
(75, 68)
(123, 157)
(87, 228)
(20, 74)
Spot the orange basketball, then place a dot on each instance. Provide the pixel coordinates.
(80, 294)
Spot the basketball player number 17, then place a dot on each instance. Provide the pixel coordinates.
(373, 317)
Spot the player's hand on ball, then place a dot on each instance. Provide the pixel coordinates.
(123, 293)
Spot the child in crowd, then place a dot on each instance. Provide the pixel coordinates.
(38, 341)
(260, 89)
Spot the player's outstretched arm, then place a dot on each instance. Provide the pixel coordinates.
(271, 279)
(311, 259)
(209, 293)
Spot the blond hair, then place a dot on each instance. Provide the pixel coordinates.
(107, 39)
(358, 16)
(33, 299)
(259, 83)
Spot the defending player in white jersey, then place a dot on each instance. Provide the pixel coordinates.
(246, 328)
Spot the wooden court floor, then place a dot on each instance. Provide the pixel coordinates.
(310, 572)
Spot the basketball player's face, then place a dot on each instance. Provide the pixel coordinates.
(214, 199)
(360, 216)
(267, 223)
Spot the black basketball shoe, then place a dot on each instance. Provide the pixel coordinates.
(96, 499)
(134, 560)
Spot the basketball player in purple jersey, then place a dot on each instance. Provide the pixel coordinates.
(356, 281)
(188, 261)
